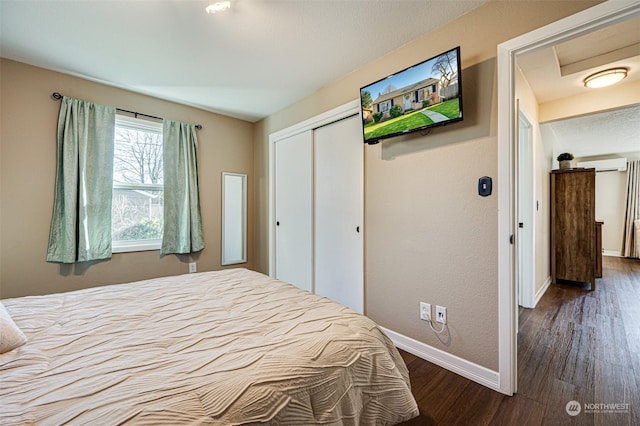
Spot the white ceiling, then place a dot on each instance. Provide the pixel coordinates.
(558, 71)
(248, 62)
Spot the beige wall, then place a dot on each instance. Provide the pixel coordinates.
(428, 235)
(27, 155)
(573, 106)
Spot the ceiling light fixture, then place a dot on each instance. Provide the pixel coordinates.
(220, 6)
(605, 78)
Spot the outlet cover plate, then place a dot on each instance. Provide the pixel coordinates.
(441, 314)
(425, 311)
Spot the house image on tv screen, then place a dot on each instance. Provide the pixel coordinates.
(412, 97)
(417, 97)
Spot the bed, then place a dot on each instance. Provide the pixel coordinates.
(230, 347)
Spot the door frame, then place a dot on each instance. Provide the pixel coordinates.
(584, 22)
(328, 117)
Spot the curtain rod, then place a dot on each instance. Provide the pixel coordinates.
(57, 96)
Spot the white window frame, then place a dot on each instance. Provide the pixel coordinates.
(125, 246)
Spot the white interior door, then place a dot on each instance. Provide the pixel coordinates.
(339, 199)
(525, 259)
(294, 210)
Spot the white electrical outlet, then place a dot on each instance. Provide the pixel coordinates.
(441, 314)
(192, 267)
(425, 311)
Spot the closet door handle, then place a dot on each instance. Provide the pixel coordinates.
(357, 229)
(278, 223)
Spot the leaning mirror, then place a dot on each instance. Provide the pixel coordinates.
(234, 218)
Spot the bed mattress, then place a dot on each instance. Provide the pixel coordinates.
(223, 348)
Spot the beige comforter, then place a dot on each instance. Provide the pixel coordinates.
(222, 348)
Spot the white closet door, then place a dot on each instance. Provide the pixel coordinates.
(339, 176)
(294, 210)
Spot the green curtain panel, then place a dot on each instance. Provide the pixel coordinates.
(81, 222)
(182, 221)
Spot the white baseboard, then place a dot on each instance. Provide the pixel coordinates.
(541, 291)
(611, 253)
(468, 369)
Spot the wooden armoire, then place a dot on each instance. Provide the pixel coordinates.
(573, 226)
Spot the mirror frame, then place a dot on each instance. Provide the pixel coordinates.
(236, 204)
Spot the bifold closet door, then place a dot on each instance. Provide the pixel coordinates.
(294, 210)
(339, 176)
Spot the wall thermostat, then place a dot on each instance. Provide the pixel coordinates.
(484, 186)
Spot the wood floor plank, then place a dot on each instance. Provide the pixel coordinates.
(474, 406)
(519, 411)
(559, 393)
(573, 359)
(575, 345)
(440, 394)
(616, 385)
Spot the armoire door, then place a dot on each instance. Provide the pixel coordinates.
(573, 222)
(339, 199)
(294, 210)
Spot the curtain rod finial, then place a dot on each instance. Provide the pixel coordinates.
(57, 96)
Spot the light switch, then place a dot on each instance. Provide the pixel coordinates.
(484, 186)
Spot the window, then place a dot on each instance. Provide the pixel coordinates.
(138, 191)
(384, 106)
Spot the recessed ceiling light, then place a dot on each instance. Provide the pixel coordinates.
(218, 7)
(605, 78)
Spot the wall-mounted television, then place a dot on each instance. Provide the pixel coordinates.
(425, 95)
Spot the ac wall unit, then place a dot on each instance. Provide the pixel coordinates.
(613, 164)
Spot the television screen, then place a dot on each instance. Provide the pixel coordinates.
(425, 95)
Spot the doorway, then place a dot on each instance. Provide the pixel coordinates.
(592, 19)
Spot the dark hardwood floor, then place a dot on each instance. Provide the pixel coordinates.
(575, 345)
